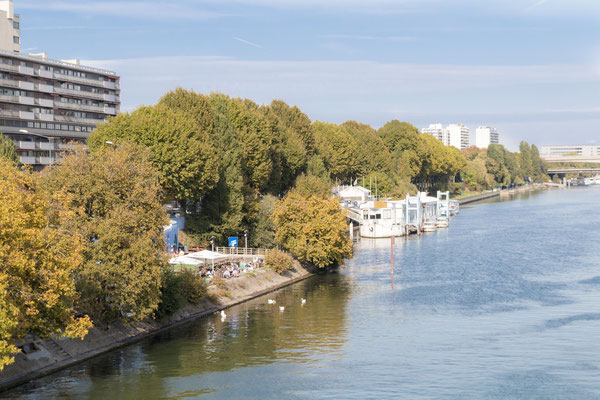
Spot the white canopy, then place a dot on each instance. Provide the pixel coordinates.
(207, 255)
(185, 260)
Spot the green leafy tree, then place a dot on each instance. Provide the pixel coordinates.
(8, 150)
(310, 185)
(182, 153)
(297, 122)
(313, 229)
(526, 164)
(263, 234)
(537, 165)
(39, 264)
(398, 135)
(371, 155)
(337, 149)
(115, 198)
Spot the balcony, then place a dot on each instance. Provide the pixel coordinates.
(78, 79)
(27, 160)
(26, 100)
(89, 121)
(80, 93)
(9, 113)
(11, 68)
(79, 107)
(21, 145)
(9, 99)
(25, 70)
(26, 85)
(44, 102)
(109, 97)
(9, 83)
(109, 85)
(44, 117)
(45, 88)
(46, 74)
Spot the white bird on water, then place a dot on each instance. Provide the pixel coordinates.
(271, 301)
(281, 308)
(303, 301)
(223, 315)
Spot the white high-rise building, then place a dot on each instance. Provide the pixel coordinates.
(438, 132)
(10, 36)
(459, 136)
(485, 135)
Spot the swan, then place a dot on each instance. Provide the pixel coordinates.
(303, 301)
(223, 315)
(281, 308)
(271, 301)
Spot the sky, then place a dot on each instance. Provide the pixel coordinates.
(530, 68)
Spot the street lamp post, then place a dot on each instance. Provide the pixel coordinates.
(246, 241)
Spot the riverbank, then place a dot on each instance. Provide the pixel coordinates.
(51, 355)
(497, 193)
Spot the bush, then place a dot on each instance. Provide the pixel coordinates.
(192, 286)
(279, 261)
(171, 299)
(177, 289)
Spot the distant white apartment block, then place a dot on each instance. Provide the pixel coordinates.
(586, 150)
(438, 132)
(485, 135)
(10, 29)
(459, 136)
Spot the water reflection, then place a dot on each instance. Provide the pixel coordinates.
(254, 334)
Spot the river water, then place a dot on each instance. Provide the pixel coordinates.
(505, 304)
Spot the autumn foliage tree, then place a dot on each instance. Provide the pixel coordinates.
(313, 229)
(7, 149)
(39, 260)
(115, 199)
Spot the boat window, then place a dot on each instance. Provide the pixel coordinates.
(372, 216)
(378, 216)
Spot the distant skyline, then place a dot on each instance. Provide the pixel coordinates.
(530, 68)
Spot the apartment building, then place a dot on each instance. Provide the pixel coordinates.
(438, 132)
(47, 104)
(585, 150)
(459, 136)
(486, 135)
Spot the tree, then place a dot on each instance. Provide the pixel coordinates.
(115, 197)
(263, 235)
(536, 161)
(372, 155)
(313, 229)
(182, 153)
(8, 150)
(310, 185)
(398, 135)
(39, 262)
(526, 165)
(337, 149)
(297, 122)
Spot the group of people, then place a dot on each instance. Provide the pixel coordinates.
(229, 269)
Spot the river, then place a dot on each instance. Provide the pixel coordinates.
(505, 304)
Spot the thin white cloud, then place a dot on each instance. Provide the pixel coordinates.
(392, 38)
(247, 42)
(126, 8)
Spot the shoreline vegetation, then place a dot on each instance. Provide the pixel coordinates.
(81, 242)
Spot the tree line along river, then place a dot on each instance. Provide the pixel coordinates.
(503, 305)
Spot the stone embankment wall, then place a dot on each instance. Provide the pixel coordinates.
(489, 195)
(56, 354)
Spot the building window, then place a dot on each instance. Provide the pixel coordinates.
(16, 39)
(15, 25)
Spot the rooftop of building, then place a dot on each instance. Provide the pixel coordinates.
(43, 59)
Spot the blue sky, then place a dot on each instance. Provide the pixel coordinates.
(531, 68)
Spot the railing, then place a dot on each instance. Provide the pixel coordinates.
(9, 82)
(79, 107)
(80, 93)
(91, 121)
(56, 62)
(79, 79)
(241, 251)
